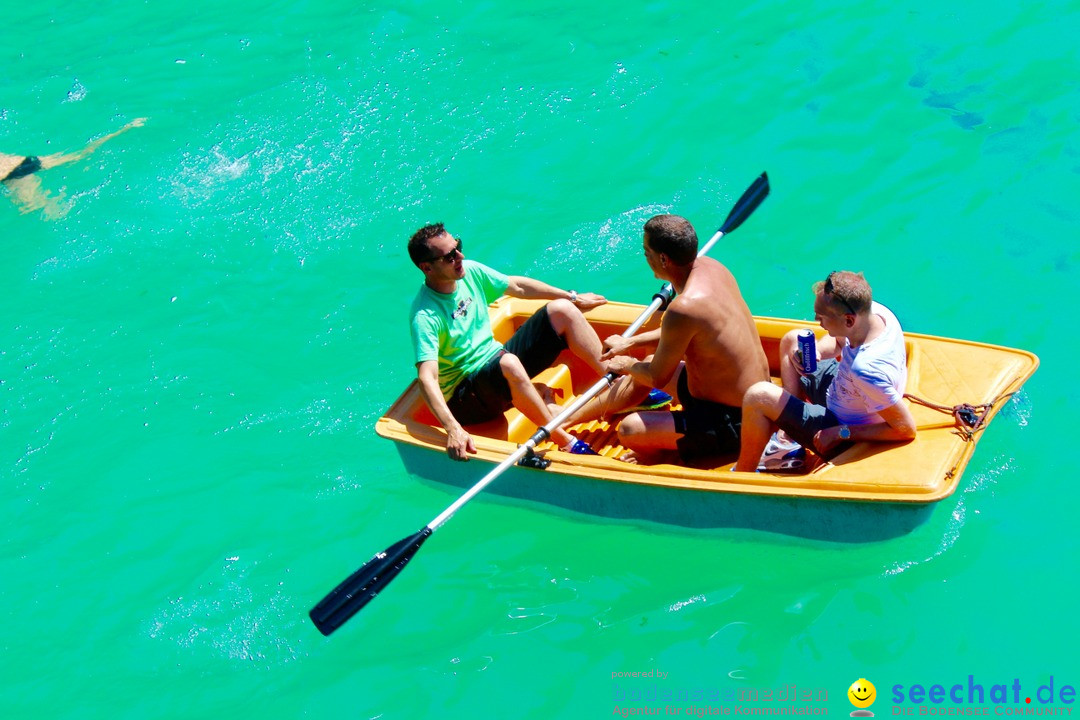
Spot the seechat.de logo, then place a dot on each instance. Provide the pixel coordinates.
(862, 694)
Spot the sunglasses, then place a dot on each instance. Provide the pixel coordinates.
(449, 257)
(829, 289)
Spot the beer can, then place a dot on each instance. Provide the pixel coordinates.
(808, 348)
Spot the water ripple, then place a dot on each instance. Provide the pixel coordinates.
(233, 618)
(976, 483)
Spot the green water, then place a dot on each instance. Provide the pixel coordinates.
(192, 360)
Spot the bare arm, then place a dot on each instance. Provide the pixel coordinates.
(676, 331)
(458, 442)
(898, 425)
(50, 161)
(619, 345)
(828, 347)
(530, 289)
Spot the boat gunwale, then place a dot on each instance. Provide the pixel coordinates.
(827, 481)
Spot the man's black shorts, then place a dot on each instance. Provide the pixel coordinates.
(485, 394)
(707, 428)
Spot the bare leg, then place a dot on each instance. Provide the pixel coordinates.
(648, 431)
(29, 195)
(548, 394)
(762, 404)
(622, 394)
(580, 337)
(526, 398)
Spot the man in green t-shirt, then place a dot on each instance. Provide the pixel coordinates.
(465, 375)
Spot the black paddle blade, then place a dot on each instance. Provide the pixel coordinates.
(747, 204)
(349, 597)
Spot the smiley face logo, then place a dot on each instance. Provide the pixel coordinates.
(862, 694)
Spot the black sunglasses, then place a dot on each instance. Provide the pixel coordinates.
(448, 257)
(830, 290)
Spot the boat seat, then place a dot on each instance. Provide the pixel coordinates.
(557, 377)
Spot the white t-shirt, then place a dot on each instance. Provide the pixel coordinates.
(871, 377)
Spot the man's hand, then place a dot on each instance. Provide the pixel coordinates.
(621, 364)
(459, 444)
(797, 361)
(616, 345)
(588, 301)
(825, 440)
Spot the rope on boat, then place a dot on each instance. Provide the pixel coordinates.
(970, 419)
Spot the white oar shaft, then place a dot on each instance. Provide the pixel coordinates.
(522, 450)
(498, 470)
(712, 241)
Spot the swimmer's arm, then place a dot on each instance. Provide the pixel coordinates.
(51, 161)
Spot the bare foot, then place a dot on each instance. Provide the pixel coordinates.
(549, 395)
(629, 457)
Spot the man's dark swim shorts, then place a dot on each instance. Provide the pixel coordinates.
(485, 394)
(28, 166)
(708, 428)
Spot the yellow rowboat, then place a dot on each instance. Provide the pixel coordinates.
(895, 484)
(866, 493)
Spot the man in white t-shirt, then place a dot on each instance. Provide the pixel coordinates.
(857, 392)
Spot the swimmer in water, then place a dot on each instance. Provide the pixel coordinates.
(18, 173)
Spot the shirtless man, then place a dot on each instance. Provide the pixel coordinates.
(707, 354)
(18, 173)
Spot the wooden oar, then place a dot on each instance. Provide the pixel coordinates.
(358, 589)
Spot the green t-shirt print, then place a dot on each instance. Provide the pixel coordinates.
(455, 328)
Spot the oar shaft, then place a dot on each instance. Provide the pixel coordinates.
(498, 470)
(643, 317)
(712, 241)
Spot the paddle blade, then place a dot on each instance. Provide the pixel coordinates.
(358, 589)
(747, 204)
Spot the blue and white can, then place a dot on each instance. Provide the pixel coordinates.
(808, 348)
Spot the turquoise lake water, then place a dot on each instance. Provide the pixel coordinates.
(192, 358)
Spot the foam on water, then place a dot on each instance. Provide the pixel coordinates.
(232, 615)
